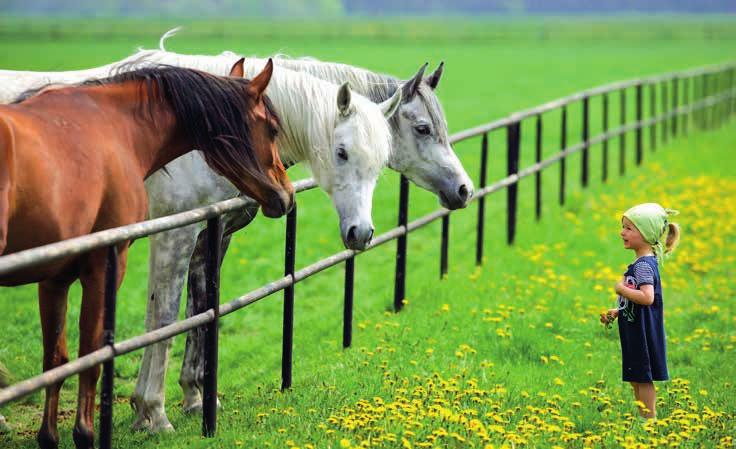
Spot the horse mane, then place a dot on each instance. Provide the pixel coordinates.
(211, 110)
(376, 86)
(308, 108)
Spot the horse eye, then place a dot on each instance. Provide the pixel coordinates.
(422, 129)
(273, 132)
(342, 154)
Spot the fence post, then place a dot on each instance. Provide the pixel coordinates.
(563, 144)
(212, 292)
(722, 102)
(653, 116)
(704, 95)
(400, 277)
(697, 91)
(665, 110)
(732, 98)
(639, 130)
(686, 103)
(676, 117)
(444, 246)
(347, 316)
(288, 322)
(513, 137)
(622, 137)
(604, 176)
(481, 201)
(717, 104)
(538, 174)
(108, 339)
(586, 131)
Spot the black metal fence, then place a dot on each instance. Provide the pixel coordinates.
(705, 97)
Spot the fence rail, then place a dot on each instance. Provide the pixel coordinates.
(708, 99)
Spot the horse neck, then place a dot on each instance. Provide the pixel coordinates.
(148, 123)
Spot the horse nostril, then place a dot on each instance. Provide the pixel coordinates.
(351, 234)
(463, 192)
(370, 236)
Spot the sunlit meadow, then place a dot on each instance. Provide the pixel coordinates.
(507, 355)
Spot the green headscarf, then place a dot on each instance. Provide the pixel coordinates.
(651, 221)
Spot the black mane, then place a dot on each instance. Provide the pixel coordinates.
(211, 110)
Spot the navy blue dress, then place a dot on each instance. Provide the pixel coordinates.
(641, 328)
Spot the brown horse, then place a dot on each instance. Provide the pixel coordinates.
(73, 161)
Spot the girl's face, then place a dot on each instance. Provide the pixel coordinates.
(631, 236)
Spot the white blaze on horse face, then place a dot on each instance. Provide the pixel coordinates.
(424, 155)
(360, 148)
(352, 184)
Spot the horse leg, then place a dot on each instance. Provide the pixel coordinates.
(169, 255)
(92, 277)
(52, 301)
(192, 371)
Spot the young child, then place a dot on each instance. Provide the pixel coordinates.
(647, 231)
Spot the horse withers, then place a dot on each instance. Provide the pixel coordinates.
(74, 161)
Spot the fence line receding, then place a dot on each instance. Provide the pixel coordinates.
(703, 97)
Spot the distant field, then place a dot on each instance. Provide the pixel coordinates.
(492, 69)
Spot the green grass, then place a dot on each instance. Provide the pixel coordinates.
(485, 79)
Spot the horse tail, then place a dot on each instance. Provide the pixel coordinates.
(167, 35)
(6, 167)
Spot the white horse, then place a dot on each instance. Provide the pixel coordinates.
(421, 152)
(343, 138)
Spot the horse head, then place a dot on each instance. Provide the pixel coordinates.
(424, 154)
(360, 148)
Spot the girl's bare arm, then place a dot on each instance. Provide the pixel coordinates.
(644, 296)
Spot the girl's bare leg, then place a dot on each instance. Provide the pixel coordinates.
(648, 395)
(635, 387)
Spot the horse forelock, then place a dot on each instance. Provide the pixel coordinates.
(436, 113)
(374, 133)
(309, 113)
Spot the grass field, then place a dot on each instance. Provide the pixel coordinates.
(511, 353)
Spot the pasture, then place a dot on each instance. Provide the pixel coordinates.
(512, 350)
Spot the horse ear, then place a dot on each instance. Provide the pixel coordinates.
(343, 99)
(410, 87)
(434, 78)
(237, 69)
(260, 82)
(390, 106)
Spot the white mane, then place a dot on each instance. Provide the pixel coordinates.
(305, 103)
(376, 86)
(308, 110)
(307, 107)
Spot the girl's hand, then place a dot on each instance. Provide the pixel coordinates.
(609, 316)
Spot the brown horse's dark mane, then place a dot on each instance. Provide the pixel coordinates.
(211, 110)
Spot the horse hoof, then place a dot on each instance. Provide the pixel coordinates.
(140, 424)
(196, 407)
(83, 437)
(47, 440)
(193, 408)
(163, 426)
